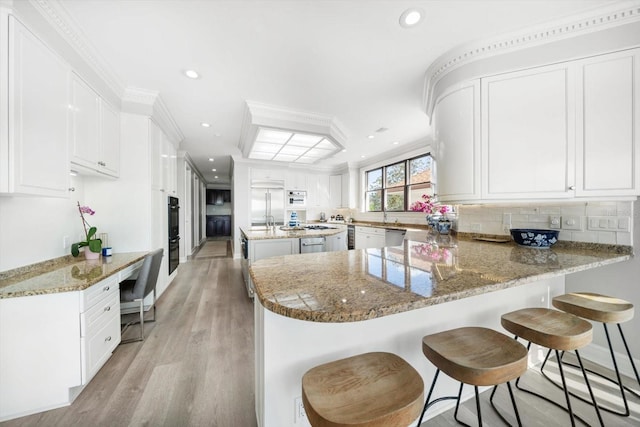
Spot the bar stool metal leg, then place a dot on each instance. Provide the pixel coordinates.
(617, 381)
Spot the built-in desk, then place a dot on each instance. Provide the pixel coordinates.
(59, 324)
(314, 308)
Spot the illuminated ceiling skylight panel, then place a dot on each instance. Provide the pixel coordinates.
(292, 149)
(286, 157)
(305, 140)
(273, 136)
(267, 148)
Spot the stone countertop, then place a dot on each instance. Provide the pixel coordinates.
(66, 274)
(262, 234)
(349, 286)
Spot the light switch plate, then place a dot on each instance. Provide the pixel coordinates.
(571, 222)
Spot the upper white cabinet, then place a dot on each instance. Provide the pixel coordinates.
(335, 191)
(607, 124)
(527, 134)
(163, 160)
(296, 180)
(95, 137)
(568, 130)
(267, 175)
(457, 134)
(34, 99)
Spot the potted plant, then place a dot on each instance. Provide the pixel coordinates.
(435, 213)
(92, 245)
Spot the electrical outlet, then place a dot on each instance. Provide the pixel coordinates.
(572, 222)
(555, 221)
(65, 242)
(299, 412)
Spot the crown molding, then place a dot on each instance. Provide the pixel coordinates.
(61, 21)
(582, 24)
(150, 103)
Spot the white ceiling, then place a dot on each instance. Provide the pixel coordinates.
(349, 59)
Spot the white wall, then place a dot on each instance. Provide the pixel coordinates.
(32, 228)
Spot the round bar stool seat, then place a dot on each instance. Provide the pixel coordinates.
(557, 331)
(600, 308)
(604, 309)
(476, 356)
(367, 390)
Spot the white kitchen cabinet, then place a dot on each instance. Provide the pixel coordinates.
(337, 242)
(295, 180)
(169, 165)
(457, 139)
(370, 237)
(95, 131)
(267, 174)
(607, 124)
(259, 249)
(34, 100)
(335, 191)
(109, 139)
(528, 134)
(99, 325)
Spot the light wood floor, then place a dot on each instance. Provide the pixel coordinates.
(196, 368)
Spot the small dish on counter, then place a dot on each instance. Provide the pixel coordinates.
(534, 238)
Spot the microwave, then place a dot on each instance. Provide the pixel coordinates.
(296, 198)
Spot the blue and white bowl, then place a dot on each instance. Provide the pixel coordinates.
(534, 238)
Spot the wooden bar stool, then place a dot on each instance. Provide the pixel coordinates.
(475, 356)
(603, 309)
(556, 331)
(367, 390)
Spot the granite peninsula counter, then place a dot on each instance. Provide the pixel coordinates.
(314, 308)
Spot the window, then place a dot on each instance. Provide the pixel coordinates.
(404, 183)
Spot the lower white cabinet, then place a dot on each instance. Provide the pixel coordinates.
(337, 242)
(259, 249)
(99, 325)
(370, 237)
(52, 345)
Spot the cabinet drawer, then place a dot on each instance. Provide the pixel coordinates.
(95, 293)
(371, 230)
(100, 314)
(97, 348)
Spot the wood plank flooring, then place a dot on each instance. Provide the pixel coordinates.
(196, 368)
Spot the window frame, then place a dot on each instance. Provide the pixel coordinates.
(406, 187)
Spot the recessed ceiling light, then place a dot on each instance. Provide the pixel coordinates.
(192, 74)
(363, 156)
(411, 17)
(216, 177)
(216, 134)
(395, 143)
(214, 170)
(211, 159)
(205, 125)
(370, 136)
(344, 151)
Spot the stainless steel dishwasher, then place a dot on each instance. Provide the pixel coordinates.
(312, 244)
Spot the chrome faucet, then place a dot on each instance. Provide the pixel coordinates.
(271, 223)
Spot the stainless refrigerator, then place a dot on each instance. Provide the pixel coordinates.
(267, 200)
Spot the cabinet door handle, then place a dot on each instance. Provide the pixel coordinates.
(107, 308)
(72, 188)
(107, 339)
(572, 187)
(105, 289)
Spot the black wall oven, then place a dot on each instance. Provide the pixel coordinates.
(174, 234)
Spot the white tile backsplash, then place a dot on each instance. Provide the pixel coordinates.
(488, 219)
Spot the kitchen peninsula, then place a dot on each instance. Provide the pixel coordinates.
(59, 324)
(314, 308)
